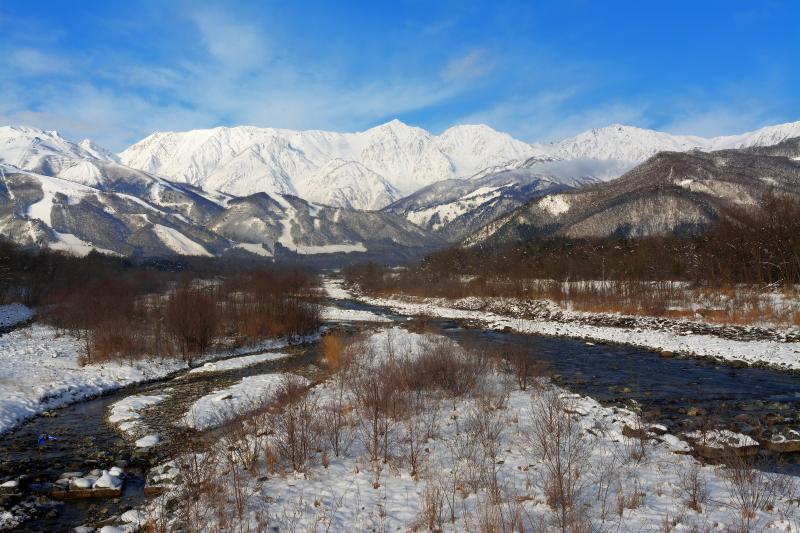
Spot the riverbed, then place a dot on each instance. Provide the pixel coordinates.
(679, 393)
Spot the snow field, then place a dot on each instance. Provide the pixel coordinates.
(481, 460)
(238, 362)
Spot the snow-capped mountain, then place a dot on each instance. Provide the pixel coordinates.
(76, 197)
(373, 168)
(672, 192)
(364, 170)
(630, 145)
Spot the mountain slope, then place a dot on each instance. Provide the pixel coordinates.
(372, 168)
(456, 208)
(74, 199)
(672, 192)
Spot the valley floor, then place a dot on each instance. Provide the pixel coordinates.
(777, 348)
(475, 461)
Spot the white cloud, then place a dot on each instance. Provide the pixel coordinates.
(548, 115)
(30, 61)
(719, 120)
(233, 43)
(474, 64)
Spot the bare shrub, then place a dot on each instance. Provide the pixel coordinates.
(559, 442)
(245, 436)
(692, 486)
(485, 425)
(494, 517)
(295, 423)
(752, 490)
(374, 390)
(519, 360)
(200, 478)
(334, 352)
(432, 507)
(336, 425)
(414, 435)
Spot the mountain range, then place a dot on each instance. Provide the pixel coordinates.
(390, 191)
(77, 197)
(670, 193)
(376, 167)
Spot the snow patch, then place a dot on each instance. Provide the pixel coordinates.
(238, 362)
(220, 406)
(555, 204)
(178, 242)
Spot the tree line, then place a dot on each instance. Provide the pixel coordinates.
(124, 308)
(756, 244)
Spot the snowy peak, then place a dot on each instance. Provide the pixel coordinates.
(624, 143)
(348, 184)
(473, 148)
(389, 159)
(766, 136)
(634, 145)
(98, 151)
(46, 152)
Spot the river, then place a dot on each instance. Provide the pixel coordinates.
(679, 393)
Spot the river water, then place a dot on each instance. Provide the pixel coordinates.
(679, 393)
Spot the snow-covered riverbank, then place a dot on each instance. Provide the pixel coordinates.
(460, 461)
(781, 355)
(40, 370)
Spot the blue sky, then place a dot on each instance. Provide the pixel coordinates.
(116, 71)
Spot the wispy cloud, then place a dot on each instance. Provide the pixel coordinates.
(474, 64)
(30, 61)
(348, 67)
(234, 43)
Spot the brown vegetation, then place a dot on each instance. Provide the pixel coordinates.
(749, 250)
(122, 309)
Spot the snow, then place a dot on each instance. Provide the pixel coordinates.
(365, 170)
(250, 393)
(368, 169)
(8, 520)
(255, 248)
(50, 187)
(337, 314)
(287, 240)
(238, 362)
(13, 314)
(40, 371)
(68, 242)
(722, 439)
(556, 204)
(108, 481)
(134, 517)
(126, 413)
(345, 248)
(784, 355)
(334, 289)
(178, 242)
(447, 212)
(620, 489)
(633, 145)
(148, 441)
